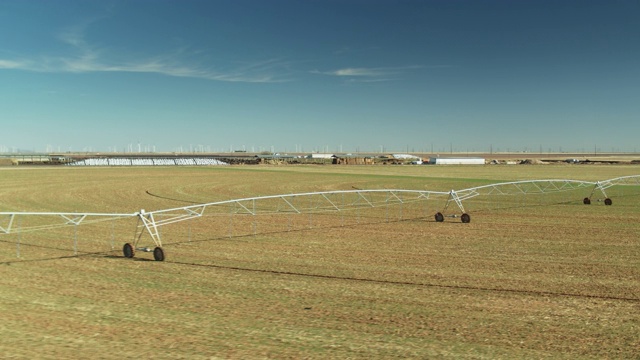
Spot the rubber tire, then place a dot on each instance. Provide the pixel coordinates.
(586, 201)
(128, 251)
(608, 201)
(439, 217)
(158, 254)
(465, 218)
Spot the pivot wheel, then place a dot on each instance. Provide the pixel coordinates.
(608, 201)
(158, 254)
(465, 218)
(586, 201)
(439, 217)
(128, 251)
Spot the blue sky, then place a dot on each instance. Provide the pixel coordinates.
(307, 75)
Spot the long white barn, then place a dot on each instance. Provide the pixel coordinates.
(456, 161)
(147, 162)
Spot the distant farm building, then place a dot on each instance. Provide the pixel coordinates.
(405, 157)
(456, 161)
(147, 161)
(276, 159)
(320, 156)
(415, 160)
(352, 160)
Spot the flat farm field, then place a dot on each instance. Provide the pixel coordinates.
(531, 276)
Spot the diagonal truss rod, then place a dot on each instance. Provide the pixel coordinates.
(453, 197)
(605, 184)
(150, 222)
(331, 202)
(290, 204)
(7, 228)
(67, 219)
(287, 200)
(74, 220)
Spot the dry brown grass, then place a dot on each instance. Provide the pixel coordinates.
(538, 279)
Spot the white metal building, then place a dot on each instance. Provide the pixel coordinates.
(456, 161)
(320, 156)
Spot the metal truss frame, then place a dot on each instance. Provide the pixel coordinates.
(149, 222)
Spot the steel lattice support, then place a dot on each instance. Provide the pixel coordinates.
(150, 222)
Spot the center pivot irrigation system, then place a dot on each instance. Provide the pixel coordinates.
(149, 222)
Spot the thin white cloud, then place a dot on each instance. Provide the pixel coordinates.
(74, 35)
(355, 72)
(375, 74)
(368, 80)
(176, 70)
(359, 72)
(12, 64)
(88, 59)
